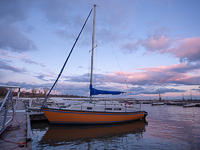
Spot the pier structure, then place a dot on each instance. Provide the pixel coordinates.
(15, 131)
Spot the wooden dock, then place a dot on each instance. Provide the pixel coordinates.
(18, 134)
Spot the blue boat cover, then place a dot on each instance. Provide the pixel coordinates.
(94, 91)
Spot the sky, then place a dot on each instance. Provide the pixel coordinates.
(142, 47)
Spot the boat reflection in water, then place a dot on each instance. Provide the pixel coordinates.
(59, 134)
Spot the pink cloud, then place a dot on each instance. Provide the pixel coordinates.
(156, 43)
(183, 73)
(152, 43)
(176, 74)
(176, 68)
(147, 80)
(128, 77)
(187, 49)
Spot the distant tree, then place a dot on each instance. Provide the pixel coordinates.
(45, 90)
(40, 93)
(33, 91)
(3, 91)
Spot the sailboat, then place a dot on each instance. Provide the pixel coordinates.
(90, 112)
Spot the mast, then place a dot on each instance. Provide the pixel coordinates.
(92, 55)
(159, 95)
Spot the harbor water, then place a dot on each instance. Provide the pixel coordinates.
(167, 127)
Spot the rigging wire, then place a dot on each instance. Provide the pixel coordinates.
(116, 59)
(67, 57)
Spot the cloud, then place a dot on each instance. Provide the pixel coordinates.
(141, 90)
(46, 77)
(14, 40)
(28, 85)
(68, 22)
(197, 89)
(188, 80)
(73, 89)
(62, 14)
(57, 11)
(183, 73)
(6, 55)
(130, 47)
(155, 43)
(98, 78)
(14, 11)
(167, 90)
(176, 68)
(81, 78)
(76, 86)
(29, 61)
(174, 74)
(41, 77)
(63, 88)
(6, 66)
(187, 49)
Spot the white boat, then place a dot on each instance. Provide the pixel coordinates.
(158, 103)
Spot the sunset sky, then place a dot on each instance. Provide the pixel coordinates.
(142, 46)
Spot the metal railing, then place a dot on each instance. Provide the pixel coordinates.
(7, 107)
(95, 106)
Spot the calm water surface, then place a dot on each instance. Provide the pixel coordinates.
(168, 127)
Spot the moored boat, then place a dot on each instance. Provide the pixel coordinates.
(158, 103)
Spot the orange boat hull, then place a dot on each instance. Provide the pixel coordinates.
(89, 117)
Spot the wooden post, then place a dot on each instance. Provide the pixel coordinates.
(28, 128)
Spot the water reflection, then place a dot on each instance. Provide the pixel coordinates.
(58, 135)
(169, 127)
